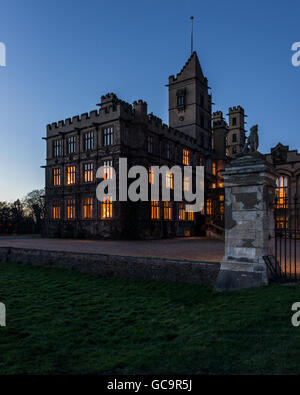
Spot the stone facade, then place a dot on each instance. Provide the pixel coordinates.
(287, 164)
(249, 224)
(77, 147)
(121, 130)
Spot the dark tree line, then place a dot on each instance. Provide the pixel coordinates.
(23, 216)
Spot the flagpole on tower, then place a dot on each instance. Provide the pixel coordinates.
(192, 34)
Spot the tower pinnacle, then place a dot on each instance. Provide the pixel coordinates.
(192, 34)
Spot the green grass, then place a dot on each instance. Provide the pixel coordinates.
(61, 321)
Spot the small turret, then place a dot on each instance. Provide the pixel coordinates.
(220, 129)
(236, 131)
(140, 108)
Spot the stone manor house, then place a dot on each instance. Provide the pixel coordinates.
(77, 147)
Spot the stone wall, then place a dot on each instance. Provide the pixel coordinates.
(249, 183)
(136, 268)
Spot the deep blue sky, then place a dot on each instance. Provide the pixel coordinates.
(63, 55)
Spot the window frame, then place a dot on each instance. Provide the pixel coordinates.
(56, 178)
(70, 175)
(88, 208)
(88, 173)
(108, 136)
(107, 208)
(88, 141)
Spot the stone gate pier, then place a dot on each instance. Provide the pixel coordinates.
(249, 183)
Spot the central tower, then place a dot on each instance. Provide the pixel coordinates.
(190, 103)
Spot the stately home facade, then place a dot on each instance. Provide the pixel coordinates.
(77, 147)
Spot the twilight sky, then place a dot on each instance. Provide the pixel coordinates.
(62, 55)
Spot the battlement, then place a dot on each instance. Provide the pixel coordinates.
(74, 121)
(108, 97)
(139, 102)
(155, 119)
(217, 114)
(112, 98)
(236, 109)
(109, 103)
(173, 133)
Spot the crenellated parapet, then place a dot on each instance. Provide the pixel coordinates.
(236, 109)
(218, 120)
(77, 121)
(111, 106)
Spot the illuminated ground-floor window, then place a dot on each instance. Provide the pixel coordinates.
(221, 199)
(56, 209)
(282, 222)
(191, 215)
(167, 210)
(155, 210)
(181, 212)
(208, 207)
(88, 208)
(106, 208)
(71, 208)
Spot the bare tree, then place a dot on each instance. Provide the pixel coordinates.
(34, 203)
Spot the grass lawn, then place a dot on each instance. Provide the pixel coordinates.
(61, 321)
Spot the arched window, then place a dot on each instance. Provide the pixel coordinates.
(282, 183)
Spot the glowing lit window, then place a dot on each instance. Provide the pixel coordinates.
(71, 173)
(167, 210)
(108, 136)
(281, 192)
(214, 168)
(88, 208)
(208, 207)
(186, 157)
(221, 185)
(191, 216)
(181, 212)
(221, 199)
(106, 208)
(71, 208)
(169, 180)
(56, 210)
(56, 177)
(282, 222)
(107, 169)
(151, 176)
(213, 185)
(88, 172)
(155, 210)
